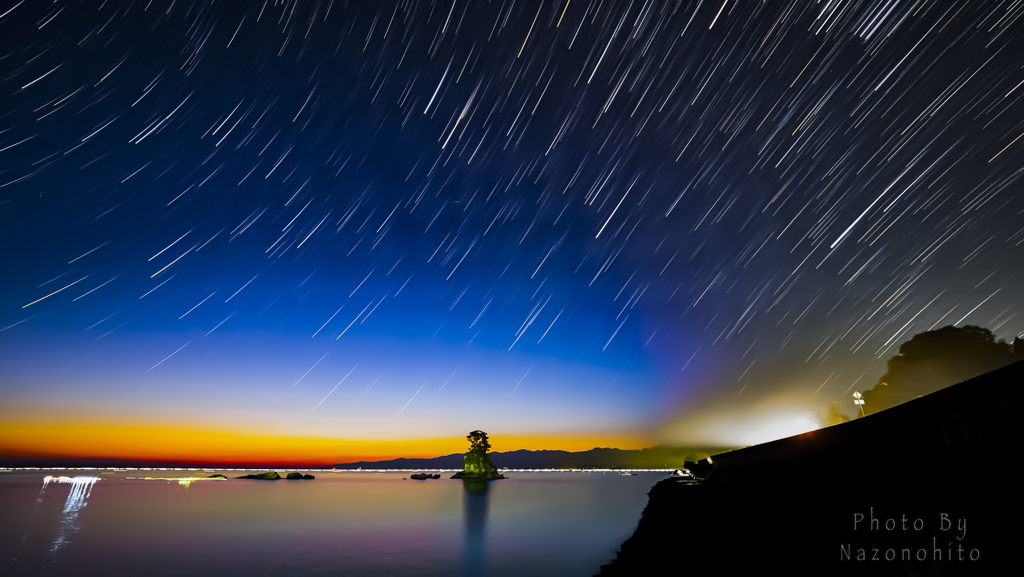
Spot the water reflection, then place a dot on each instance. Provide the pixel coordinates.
(475, 501)
(345, 523)
(81, 488)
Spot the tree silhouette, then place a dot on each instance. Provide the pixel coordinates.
(478, 440)
(833, 415)
(934, 360)
(478, 464)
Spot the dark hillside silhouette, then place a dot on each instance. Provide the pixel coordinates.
(926, 488)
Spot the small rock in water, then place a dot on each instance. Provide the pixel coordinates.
(298, 476)
(271, 476)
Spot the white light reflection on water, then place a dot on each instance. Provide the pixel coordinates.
(81, 488)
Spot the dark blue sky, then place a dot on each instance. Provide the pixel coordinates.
(653, 219)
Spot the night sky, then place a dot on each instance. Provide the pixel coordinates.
(630, 223)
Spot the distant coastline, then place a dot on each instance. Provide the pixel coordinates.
(659, 457)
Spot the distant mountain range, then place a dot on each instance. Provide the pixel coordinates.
(660, 457)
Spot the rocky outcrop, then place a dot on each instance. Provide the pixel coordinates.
(423, 476)
(271, 476)
(299, 477)
(478, 465)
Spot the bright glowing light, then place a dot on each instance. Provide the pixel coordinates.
(784, 428)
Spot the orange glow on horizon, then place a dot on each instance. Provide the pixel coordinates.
(205, 447)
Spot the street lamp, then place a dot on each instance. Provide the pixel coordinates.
(858, 401)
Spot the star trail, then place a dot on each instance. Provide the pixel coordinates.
(641, 220)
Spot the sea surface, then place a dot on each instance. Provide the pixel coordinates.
(158, 523)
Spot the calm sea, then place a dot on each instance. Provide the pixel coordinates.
(343, 523)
